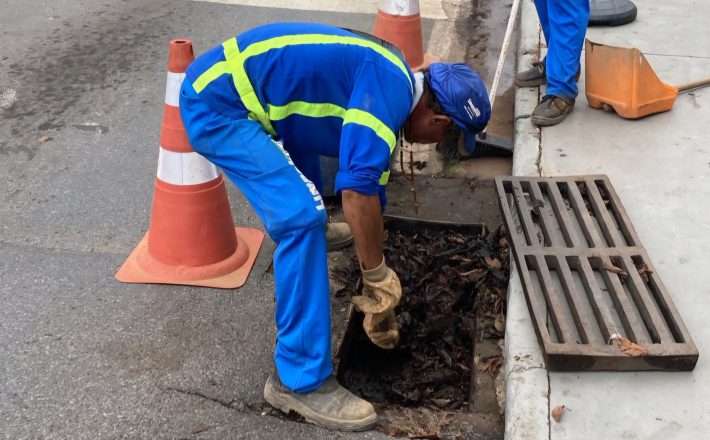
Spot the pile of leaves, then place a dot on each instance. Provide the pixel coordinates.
(447, 278)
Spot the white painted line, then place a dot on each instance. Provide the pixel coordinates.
(428, 8)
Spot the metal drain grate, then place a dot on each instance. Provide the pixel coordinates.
(588, 279)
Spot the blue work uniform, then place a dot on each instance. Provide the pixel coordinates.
(263, 106)
(564, 23)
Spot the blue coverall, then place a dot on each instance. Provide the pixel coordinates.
(564, 23)
(263, 106)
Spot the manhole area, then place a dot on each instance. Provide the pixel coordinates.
(439, 382)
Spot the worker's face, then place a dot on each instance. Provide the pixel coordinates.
(426, 127)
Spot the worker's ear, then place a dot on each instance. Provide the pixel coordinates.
(438, 119)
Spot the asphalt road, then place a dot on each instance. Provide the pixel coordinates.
(82, 356)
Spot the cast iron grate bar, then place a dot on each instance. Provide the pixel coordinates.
(587, 278)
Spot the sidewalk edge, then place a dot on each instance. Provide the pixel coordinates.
(527, 381)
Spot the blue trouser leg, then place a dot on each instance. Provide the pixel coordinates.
(541, 8)
(294, 215)
(564, 23)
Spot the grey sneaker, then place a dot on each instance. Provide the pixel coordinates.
(536, 75)
(330, 406)
(551, 110)
(337, 236)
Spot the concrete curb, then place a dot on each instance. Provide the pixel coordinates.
(527, 381)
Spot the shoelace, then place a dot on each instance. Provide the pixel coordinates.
(548, 98)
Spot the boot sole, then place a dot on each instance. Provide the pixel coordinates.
(547, 122)
(536, 82)
(337, 245)
(286, 404)
(530, 82)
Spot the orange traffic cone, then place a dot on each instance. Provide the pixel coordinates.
(192, 239)
(399, 22)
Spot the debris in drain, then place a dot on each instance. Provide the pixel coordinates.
(448, 279)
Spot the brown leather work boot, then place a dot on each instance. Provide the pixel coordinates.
(551, 110)
(337, 236)
(330, 406)
(536, 75)
(533, 77)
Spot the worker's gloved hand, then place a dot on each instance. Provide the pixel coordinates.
(382, 329)
(381, 294)
(381, 290)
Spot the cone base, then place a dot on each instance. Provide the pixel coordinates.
(141, 267)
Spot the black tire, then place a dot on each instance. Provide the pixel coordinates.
(611, 12)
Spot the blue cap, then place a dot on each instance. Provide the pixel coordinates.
(463, 97)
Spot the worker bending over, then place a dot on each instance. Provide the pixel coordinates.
(263, 106)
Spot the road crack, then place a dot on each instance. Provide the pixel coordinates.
(234, 404)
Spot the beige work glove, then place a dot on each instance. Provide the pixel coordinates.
(382, 329)
(381, 290)
(381, 294)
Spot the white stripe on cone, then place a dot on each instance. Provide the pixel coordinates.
(400, 7)
(184, 168)
(172, 88)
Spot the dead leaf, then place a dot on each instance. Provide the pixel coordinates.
(500, 322)
(44, 138)
(458, 238)
(483, 366)
(557, 413)
(471, 272)
(630, 348)
(644, 272)
(490, 364)
(493, 263)
(462, 366)
(608, 265)
(200, 428)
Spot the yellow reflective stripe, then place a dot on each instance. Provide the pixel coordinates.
(235, 62)
(293, 40)
(210, 75)
(366, 119)
(315, 110)
(385, 177)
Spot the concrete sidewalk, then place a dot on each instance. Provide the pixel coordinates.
(660, 166)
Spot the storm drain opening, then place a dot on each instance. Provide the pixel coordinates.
(439, 382)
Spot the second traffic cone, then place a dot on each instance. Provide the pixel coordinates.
(192, 239)
(399, 22)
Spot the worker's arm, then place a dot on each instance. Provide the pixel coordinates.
(364, 216)
(379, 105)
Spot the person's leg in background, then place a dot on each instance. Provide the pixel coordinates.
(541, 6)
(568, 21)
(535, 75)
(567, 26)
